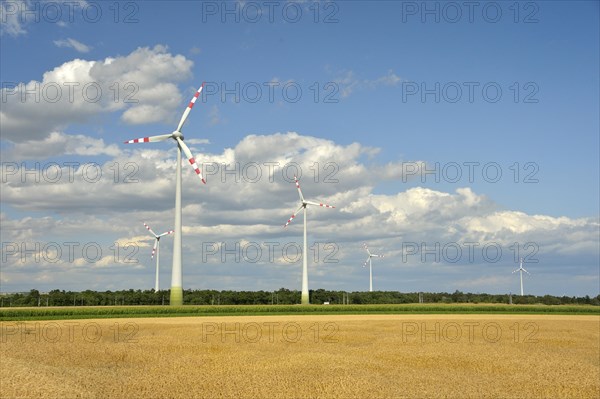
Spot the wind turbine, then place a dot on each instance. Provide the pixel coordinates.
(303, 206)
(371, 255)
(176, 279)
(156, 249)
(521, 270)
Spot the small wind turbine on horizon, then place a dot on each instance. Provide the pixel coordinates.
(176, 298)
(156, 249)
(303, 206)
(371, 255)
(521, 270)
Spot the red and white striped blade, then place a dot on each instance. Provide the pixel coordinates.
(366, 262)
(319, 204)
(366, 248)
(191, 159)
(150, 230)
(293, 216)
(154, 249)
(150, 139)
(298, 187)
(166, 233)
(189, 108)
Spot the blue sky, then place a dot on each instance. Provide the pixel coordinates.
(370, 62)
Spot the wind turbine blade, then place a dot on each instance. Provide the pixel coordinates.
(154, 248)
(367, 261)
(189, 108)
(526, 272)
(150, 139)
(319, 204)
(298, 187)
(166, 233)
(150, 230)
(377, 256)
(514, 271)
(366, 248)
(294, 215)
(191, 159)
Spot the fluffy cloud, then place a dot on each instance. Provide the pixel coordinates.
(141, 84)
(239, 207)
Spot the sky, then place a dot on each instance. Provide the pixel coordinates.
(452, 137)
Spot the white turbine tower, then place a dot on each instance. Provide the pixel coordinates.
(156, 249)
(303, 206)
(521, 270)
(176, 278)
(371, 255)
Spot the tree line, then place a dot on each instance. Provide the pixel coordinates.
(282, 296)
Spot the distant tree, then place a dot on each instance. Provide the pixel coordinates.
(32, 298)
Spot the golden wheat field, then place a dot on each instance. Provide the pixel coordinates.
(328, 356)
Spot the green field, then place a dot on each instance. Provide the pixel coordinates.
(93, 312)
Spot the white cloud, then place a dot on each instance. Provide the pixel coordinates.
(197, 141)
(348, 82)
(389, 79)
(484, 283)
(74, 44)
(233, 207)
(80, 89)
(17, 15)
(11, 22)
(215, 116)
(56, 144)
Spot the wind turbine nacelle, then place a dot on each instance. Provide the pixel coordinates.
(177, 134)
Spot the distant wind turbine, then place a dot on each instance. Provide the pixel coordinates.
(371, 255)
(176, 278)
(521, 270)
(156, 249)
(303, 206)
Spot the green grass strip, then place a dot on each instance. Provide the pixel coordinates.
(57, 313)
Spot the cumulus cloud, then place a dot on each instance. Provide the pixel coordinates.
(249, 196)
(141, 85)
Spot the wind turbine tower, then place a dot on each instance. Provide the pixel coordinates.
(156, 249)
(371, 255)
(304, 207)
(176, 275)
(521, 270)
